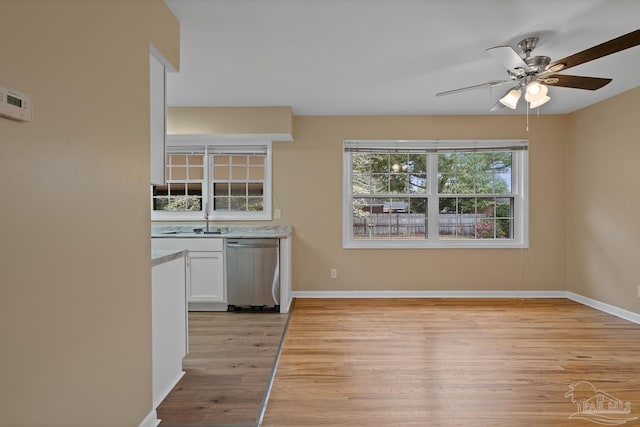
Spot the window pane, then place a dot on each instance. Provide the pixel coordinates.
(504, 207)
(361, 163)
(467, 205)
(238, 203)
(360, 184)
(379, 163)
(389, 218)
(486, 206)
(178, 173)
(221, 160)
(160, 203)
(457, 218)
(195, 159)
(255, 189)
(380, 183)
(504, 228)
(184, 203)
(485, 229)
(256, 173)
(221, 203)
(196, 172)
(398, 183)
(238, 172)
(447, 183)
(239, 190)
(469, 173)
(194, 189)
(177, 188)
(483, 184)
(417, 183)
(238, 160)
(221, 172)
(160, 190)
(256, 160)
(255, 203)
(177, 159)
(417, 163)
(221, 189)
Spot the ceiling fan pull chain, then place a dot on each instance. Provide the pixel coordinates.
(527, 116)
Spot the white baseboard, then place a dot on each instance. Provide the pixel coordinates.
(598, 305)
(167, 389)
(607, 308)
(429, 294)
(151, 420)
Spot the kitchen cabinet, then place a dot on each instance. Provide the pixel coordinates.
(206, 282)
(158, 120)
(168, 322)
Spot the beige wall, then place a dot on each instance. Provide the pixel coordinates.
(230, 120)
(75, 263)
(603, 244)
(308, 190)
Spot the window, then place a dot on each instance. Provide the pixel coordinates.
(183, 190)
(227, 182)
(435, 194)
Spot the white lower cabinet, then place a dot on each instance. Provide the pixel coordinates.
(206, 277)
(168, 327)
(206, 284)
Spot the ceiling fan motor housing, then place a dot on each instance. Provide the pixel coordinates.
(537, 63)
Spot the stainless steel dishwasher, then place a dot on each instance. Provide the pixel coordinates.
(253, 272)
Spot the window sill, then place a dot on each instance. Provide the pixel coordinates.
(423, 244)
(199, 216)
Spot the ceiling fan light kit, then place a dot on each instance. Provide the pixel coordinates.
(539, 102)
(535, 91)
(532, 74)
(511, 98)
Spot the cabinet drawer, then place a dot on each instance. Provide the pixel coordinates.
(192, 243)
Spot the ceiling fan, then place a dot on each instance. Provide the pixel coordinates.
(532, 74)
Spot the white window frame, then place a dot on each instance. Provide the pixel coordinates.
(520, 193)
(207, 146)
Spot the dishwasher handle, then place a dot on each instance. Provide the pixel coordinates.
(250, 245)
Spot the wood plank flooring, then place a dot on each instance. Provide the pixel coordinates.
(227, 370)
(452, 362)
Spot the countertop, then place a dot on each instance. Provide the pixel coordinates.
(160, 256)
(230, 231)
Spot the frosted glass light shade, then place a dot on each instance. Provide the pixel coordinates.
(539, 102)
(511, 99)
(535, 91)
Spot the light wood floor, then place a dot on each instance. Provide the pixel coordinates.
(227, 370)
(450, 362)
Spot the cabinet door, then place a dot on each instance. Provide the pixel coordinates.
(206, 277)
(158, 112)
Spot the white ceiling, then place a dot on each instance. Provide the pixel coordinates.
(340, 57)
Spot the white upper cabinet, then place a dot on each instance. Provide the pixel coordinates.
(158, 121)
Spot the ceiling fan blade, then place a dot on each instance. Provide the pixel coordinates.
(491, 84)
(607, 48)
(508, 57)
(575, 82)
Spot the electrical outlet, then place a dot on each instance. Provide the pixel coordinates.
(638, 291)
(276, 213)
(334, 273)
